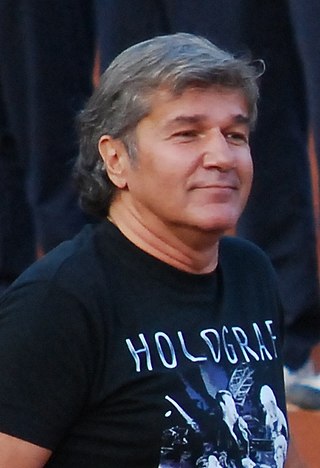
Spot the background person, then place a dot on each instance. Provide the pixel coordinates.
(47, 52)
(280, 214)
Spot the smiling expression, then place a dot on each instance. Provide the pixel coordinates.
(193, 166)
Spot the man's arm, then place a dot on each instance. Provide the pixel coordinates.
(47, 362)
(17, 453)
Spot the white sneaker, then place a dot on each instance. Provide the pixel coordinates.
(303, 386)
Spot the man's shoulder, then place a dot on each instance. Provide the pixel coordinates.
(62, 290)
(71, 266)
(75, 249)
(238, 245)
(243, 254)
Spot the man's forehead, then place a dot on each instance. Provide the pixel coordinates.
(168, 93)
(165, 94)
(177, 111)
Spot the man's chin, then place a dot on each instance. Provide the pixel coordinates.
(218, 226)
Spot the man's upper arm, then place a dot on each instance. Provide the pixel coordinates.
(17, 453)
(47, 362)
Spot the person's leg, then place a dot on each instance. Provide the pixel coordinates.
(17, 250)
(17, 242)
(219, 20)
(305, 20)
(303, 325)
(122, 23)
(279, 216)
(59, 49)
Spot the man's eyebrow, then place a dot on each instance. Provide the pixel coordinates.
(201, 118)
(241, 119)
(186, 119)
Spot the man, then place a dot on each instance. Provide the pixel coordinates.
(97, 337)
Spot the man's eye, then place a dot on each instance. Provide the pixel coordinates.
(237, 137)
(186, 134)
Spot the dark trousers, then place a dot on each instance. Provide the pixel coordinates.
(46, 61)
(279, 216)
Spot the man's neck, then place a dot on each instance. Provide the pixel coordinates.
(188, 250)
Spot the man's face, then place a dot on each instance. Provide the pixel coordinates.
(193, 168)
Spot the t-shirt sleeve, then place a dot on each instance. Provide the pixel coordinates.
(47, 351)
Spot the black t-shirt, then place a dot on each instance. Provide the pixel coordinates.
(112, 358)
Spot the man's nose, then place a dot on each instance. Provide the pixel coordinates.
(218, 153)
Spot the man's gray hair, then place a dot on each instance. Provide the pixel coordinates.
(123, 98)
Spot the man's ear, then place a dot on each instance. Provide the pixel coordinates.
(115, 159)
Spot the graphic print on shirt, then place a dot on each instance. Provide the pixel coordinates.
(229, 343)
(224, 422)
(224, 411)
